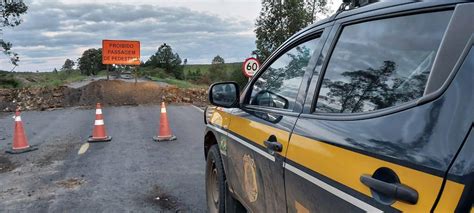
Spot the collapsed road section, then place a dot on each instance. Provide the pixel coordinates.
(113, 92)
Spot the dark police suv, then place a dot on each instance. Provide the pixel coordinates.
(369, 110)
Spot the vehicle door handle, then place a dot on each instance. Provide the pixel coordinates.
(273, 144)
(394, 190)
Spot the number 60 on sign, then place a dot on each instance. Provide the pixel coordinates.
(250, 67)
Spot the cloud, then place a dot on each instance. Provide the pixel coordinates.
(53, 31)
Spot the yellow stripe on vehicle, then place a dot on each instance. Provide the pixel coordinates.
(346, 167)
(244, 143)
(300, 208)
(450, 198)
(333, 190)
(219, 117)
(259, 132)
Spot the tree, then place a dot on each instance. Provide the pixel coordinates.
(165, 58)
(238, 77)
(68, 64)
(55, 71)
(217, 70)
(195, 75)
(269, 29)
(185, 61)
(218, 60)
(371, 85)
(295, 68)
(280, 19)
(10, 12)
(91, 62)
(317, 8)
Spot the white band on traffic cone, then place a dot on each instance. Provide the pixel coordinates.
(98, 111)
(17, 118)
(99, 122)
(23, 147)
(163, 110)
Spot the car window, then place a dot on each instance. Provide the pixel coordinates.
(381, 63)
(278, 85)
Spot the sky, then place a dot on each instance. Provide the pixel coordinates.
(54, 30)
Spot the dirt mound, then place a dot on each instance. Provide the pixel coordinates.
(32, 98)
(113, 92)
(124, 93)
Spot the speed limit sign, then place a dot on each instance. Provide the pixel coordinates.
(250, 67)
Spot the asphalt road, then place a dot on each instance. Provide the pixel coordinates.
(130, 174)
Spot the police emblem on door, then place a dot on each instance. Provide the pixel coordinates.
(250, 179)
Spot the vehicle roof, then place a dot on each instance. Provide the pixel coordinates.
(387, 4)
(408, 4)
(394, 5)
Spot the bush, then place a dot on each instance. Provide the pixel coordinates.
(9, 83)
(7, 80)
(154, 72)
(238, 77)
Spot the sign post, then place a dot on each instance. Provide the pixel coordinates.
(107, 71)
(250, 67)
(120, 52)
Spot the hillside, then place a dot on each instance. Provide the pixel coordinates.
(50, 79)
(39, 79)
(229, 67)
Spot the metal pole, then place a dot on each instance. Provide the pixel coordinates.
(136, 73)
(107, 70)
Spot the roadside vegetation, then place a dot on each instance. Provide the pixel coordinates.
(40, 79)
(277, 21)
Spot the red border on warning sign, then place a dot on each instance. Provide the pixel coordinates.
(245, 62)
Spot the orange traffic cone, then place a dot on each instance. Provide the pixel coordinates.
(20, 143)
(99, 134)
(164, 132)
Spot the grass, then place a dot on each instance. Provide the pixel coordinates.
(50, 79)
(158, 74)
(178, 83)
(229, 67)
(9, 83)
(40, 79)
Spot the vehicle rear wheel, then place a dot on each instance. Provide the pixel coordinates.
(215, 181)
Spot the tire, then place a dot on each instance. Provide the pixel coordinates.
(218, 196)
(215, 181)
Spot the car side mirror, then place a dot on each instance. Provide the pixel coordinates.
(224, 94)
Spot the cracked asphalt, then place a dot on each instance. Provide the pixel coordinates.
(132, 173)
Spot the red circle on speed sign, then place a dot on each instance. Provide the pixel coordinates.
(250, 67)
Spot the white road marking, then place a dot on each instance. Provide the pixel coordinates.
(83, 149)
(354, 201)
(197, 108)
